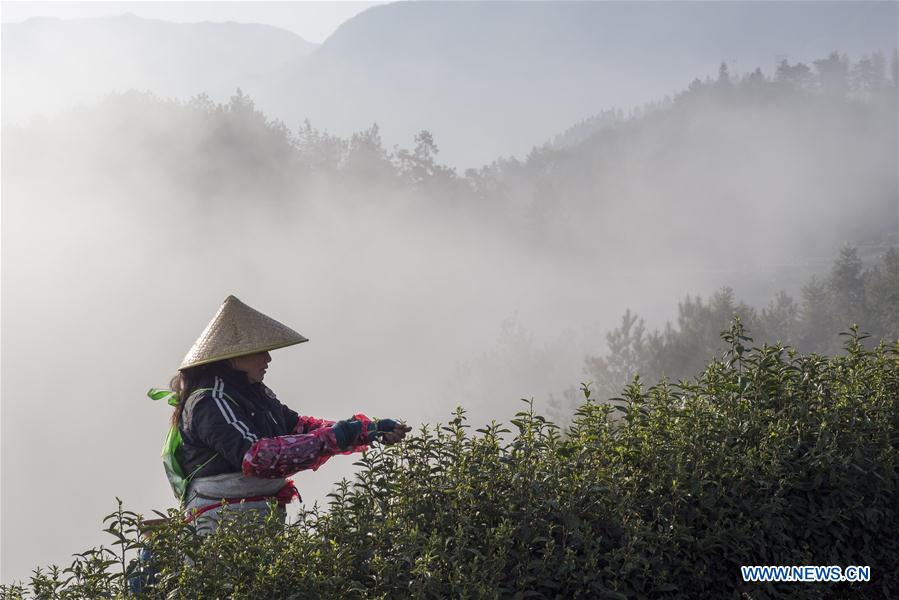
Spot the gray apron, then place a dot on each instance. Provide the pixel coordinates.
(206, 491)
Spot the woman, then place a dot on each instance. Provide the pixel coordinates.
(231, 439)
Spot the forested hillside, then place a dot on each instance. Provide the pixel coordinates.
(798, 163)
(528, 70)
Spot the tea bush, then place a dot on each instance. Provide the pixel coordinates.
(766, 457)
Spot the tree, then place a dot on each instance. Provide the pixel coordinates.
(868, 76)
(366, 157)
(833, 75)
(320, 151)
(723, 75)
(846, 287)
(779, 322)
(882, 296)
(627, 357)
(420, 166)
(724, 87)
(796, 77)
(816, 320)
(242, 104)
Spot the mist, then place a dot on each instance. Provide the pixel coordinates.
(127, 221)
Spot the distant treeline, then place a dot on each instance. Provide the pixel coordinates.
(850, 295)
(868, 79)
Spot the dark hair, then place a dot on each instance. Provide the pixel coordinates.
(187, 380)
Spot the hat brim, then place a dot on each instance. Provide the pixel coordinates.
(241, 353)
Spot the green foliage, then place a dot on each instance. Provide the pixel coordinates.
(767, 457)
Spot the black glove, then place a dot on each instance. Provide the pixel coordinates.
(347, 433)
(385, 425)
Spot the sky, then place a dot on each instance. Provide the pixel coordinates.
(313, 21)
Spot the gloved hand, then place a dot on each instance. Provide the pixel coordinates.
(387, 425)
(347, 433)
(390, 431)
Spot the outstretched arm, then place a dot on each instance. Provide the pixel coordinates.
(284, 455)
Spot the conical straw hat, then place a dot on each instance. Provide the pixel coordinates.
(236, 330)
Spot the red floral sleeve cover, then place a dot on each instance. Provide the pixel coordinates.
(282, 456)
(308, 424)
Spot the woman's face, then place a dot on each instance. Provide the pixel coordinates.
(254, 365)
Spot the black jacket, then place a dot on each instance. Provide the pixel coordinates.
(219, 425)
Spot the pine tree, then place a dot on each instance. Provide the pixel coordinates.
(833, 75)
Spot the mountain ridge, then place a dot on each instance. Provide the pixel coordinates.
(469, 72)
(487, 79)
(50, 63)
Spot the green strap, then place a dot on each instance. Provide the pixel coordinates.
(172, 399)
(173, 442)
(160, 394)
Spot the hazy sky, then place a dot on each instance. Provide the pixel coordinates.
(313, 21)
